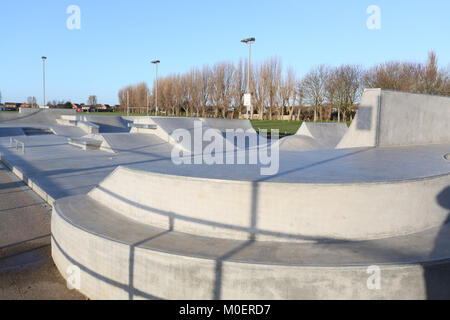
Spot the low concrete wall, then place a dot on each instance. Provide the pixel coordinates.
(117, 270)
(413, 119)
(320, 211)
(391, 118)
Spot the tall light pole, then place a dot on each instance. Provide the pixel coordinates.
(43, 78)
(248, 95)
(156, 62)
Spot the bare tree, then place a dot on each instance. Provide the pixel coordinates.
(220, 88)
(204, 92)
(343, 88)
(238, 88)
(313, 87)
(288, 93)
(32, 102)
(92, 101)
(432, 78)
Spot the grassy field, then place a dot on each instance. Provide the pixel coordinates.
(285, 127)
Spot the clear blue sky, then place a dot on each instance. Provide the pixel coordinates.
(118, 39)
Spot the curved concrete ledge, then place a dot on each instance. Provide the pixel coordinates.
(305, 212)
(122, 259)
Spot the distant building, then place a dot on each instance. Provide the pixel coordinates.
(104, 108)
(12, 105)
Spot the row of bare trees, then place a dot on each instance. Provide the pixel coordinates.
(324, 93)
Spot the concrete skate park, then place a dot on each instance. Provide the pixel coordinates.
(345, 201)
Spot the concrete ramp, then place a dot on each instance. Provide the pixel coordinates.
(107, 124)
(301, 143)
(33, 116)
(326, 133)
(389, 118)
(314, 136)
(128, 142)
(166, 126)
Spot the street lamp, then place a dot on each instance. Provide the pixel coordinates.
(43, 78)
(156, 62)
(248, 96)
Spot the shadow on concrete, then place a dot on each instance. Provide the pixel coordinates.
(10, 185)
(437, 275)
(131, 289)
(24, 241)
(124, 286)
(364, 118)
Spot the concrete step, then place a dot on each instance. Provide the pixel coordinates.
(85, 143)
(275, 211)
(122, 259)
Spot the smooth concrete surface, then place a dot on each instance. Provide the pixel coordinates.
(27, 270)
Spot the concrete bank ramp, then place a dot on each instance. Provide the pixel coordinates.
(33, 116)
(301, 143)
(314, 136)
(108, 124)
(194, 127)
(327, 133)
(128, 142)
(388, 118)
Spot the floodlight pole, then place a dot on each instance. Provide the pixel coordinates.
(43, 79)
(156, 62)
(249, 42)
